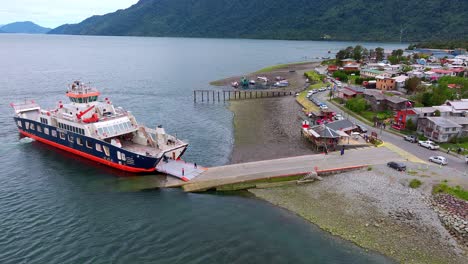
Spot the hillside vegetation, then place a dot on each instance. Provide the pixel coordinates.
(383, 20)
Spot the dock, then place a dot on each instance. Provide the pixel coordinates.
(228, 95)
(217, 177)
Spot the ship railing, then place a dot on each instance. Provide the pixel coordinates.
(27, 104)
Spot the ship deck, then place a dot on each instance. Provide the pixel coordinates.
(140, 149)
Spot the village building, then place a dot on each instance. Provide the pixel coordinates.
(439, 129)
(370, 73)
(382, 102)
(323, 137)
(385, 83)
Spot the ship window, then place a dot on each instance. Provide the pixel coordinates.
(27, 125)
(118, 155)
(67, 127)
(88, 145)
(32, 127)
(39, 129)
(60, 125)
(62, 135)
(19, 123)
(78, 141)
(46, 130)
(111, 129)
(101, 131)
(107, 130)
(70, 138)
(54, 133)
(98, 147)
(106, 150)
(123, 156)
(122, 127)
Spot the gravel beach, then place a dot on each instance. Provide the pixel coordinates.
(267, 128)
(376, 210)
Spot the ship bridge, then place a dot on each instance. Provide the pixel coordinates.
(81, 93)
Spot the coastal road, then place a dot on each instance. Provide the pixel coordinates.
(454, 162)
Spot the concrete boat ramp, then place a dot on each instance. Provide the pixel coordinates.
(215, 177)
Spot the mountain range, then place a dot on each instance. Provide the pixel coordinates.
(363, 20)
(23, 27)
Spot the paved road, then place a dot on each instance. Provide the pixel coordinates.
(413, 148)
(242, 172)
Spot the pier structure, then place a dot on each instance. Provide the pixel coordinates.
(228, 95)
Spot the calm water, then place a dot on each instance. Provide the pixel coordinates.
(56, 208)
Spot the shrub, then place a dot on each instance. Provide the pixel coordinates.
(357, 104)
(415, 183)
(341, 75)
(456, 191)
(410, 125)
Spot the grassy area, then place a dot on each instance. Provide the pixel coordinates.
(279, 66)
(415, 183)
(456, 191)
(454, 147)
(329, 62)
(305, 102)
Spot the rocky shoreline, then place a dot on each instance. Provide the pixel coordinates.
(453, 213)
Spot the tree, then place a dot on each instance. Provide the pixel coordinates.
(379, 53)
(406, 68)
(357, 52)
(341, 55)
(365, 54)
(410, 125)
(437, 112)
(413, 85)
(341, 75)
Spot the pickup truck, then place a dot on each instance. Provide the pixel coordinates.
(428, 144)
(410, 138)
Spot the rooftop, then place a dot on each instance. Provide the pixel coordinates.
(343, 125)
(458, 105)
(443, 122)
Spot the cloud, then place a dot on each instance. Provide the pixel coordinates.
(53, 13)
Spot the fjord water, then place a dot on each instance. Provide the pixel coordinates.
(57, 208)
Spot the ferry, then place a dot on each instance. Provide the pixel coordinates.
(97, 130)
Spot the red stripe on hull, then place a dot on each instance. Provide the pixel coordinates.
(86, 155)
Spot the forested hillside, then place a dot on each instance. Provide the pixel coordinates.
(380, 20)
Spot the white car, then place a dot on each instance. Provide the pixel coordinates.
(428, 144)
(324, 107)
(338, 117)
(438, 160)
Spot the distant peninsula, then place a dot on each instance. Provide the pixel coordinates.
(354, 20)
(27, 27)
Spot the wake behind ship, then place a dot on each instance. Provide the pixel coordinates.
(98, 131)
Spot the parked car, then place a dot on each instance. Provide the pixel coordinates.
(466, 159)
(397, 166)
(428, 144)
(361, 128)
(338, 117)
(411, 138)
(438, 159)
(323, 107)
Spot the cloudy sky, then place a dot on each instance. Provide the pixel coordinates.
(53, 13)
